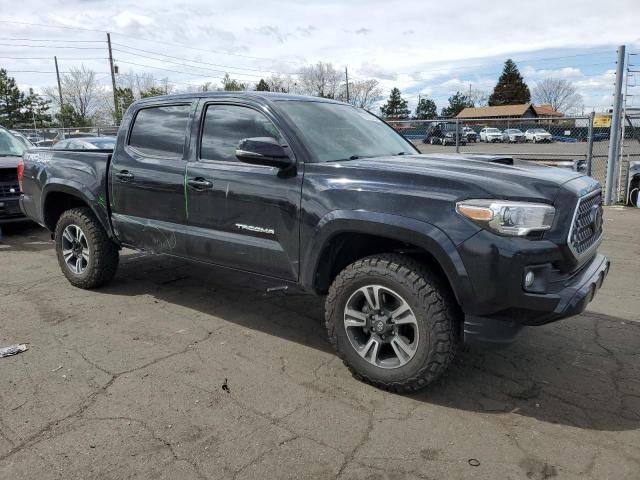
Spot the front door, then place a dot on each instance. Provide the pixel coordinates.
(147, 180)
(240, 215)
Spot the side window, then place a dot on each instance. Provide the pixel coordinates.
(160, 131)
(224, 127)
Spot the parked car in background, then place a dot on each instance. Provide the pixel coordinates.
(86, 143)
(512, 135)
(45, 143)
(445, 133)
(470, 134)
(490, 135)
(11, 150)
(537, 135)
(34, 138)
(27, 143)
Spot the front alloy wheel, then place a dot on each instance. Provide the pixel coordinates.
(392, 321)
(381, 326)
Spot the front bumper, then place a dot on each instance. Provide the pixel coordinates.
(10, 210)
(496, 267)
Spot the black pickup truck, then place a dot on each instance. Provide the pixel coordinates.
(11, 150)
(415, 253)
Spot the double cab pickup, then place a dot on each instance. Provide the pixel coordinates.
(414, 254)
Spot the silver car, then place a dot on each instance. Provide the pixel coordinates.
(512, 135)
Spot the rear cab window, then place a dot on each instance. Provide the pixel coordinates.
(160, 131)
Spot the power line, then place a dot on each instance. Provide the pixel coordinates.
(170, 70)
(145, 40)
(198, 61)
(41, 71)
(49, 58)
(51, 46)
(50, 40)
(187, 65)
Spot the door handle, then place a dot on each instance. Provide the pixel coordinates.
(199, 183)
(124, 175)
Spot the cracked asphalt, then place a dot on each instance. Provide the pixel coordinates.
(127, 382)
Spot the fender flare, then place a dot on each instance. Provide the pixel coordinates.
(75, 189)
(415, 232)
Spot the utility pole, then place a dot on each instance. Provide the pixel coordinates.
(346, 76)
(113, 81)
(614, 135)
(55, 59)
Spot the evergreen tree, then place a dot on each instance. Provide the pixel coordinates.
(69, 116)
(11, 101)
(426, 109)
(231, 84)
(262, 86)
(35, 108)
(396, 107)
(457, 103)
(125, 98)
(152, 92)
(510, 89)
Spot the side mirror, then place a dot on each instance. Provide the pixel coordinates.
(263, 151)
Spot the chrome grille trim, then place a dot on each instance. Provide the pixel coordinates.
(587, 239)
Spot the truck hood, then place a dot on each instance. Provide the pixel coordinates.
(482, 176)
(9, 162)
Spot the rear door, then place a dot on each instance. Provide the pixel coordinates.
(240, 215)
(147, 179)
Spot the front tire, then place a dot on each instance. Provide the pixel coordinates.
(393, 323)
(86, 254)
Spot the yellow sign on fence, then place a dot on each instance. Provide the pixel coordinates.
(602, 121)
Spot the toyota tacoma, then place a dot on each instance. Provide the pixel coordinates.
(415, 254)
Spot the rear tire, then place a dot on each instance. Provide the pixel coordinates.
(428, 326)
(86, 254)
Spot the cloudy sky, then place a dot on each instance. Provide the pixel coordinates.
(428, 48)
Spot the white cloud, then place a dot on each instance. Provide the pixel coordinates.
(415, 45)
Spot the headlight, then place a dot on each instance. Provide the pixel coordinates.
(449, 135)
(508, 218)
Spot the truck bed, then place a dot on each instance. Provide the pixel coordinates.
(73, 171)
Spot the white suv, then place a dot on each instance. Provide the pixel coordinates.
(490, 135)
(536, 135)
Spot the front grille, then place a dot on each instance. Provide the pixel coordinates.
(9, 182)
(8, 175)
(586, 228)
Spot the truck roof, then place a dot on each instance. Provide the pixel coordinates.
(268, 96)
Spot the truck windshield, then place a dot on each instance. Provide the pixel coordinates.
(10, 146)
(335, 132)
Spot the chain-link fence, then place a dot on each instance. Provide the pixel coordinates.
(48, 136)
(630, 158)
(570, 142)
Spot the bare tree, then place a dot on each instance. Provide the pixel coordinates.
(282, 84)
(81, 91)
(561, 94)
(321, 80)
(363, 93)
(478, 98)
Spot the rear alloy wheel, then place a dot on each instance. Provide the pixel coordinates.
(392, 322)
(86, 254)
(75, 249)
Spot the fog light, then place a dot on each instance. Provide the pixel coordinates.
(529, 278)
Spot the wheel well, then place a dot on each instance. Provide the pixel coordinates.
(346, 248)
(56, 204)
